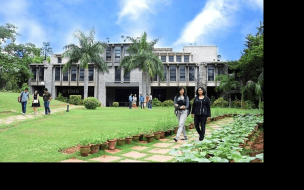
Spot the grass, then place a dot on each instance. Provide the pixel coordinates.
(41, 139)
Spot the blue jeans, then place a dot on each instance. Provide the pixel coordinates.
(46, 107)
(130, 104)
(23, 105)
(150, 104)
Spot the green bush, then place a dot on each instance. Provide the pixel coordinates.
(220, 102)
(75, 99)
(236, 103)
(61, 98)
(156, 102)
(212, 100)
(248, 104)
(262, 104)
(115, 104)
(91, 103)
(9, 86)
(168, 103)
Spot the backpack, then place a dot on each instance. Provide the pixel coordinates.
(188, 110)
(19, 97)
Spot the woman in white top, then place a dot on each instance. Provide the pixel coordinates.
(134, 101)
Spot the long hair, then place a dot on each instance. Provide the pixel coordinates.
(204, 90)
(179, 88)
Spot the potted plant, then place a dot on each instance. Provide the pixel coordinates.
(148, 135)
(95, 145)
(111, 142)
(129, 138)
(103, 142)
(120, 138)
(84, 147)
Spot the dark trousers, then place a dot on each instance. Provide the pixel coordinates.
(130, 104)
(142, 105)
(47, 107)
(23, 104)
(200, 119)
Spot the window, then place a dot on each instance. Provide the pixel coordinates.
(191, 73)
(182, 73)
(125, 51)
(41, 73)
(59, 59)
(165, 70)
(163, 58)
(65, 76)
(117, 53)
(127, 77)
(220, 70)
(154, 78)
(178, 58)
(186, 58)
(81, 74)
(117, 74)
(91, 73)
(210, 73)
(172, 73)
(57, 73)
(171, 58)
(108, 54)
(34, 73)
(73, 73)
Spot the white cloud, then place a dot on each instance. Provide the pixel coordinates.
(255, 4)
(217, 16)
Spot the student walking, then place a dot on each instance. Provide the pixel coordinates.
(24, 96)
(147, 101)
(134, 101)
(47, 97)
(130, 101)
(181, 103)
(35, 102)
(142, 99)
(150, 102)
(201, 110)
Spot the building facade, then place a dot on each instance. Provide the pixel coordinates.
(193, 67)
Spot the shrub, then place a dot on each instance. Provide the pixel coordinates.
(168, 103)
(156, 102)
(90, 103)
(75, 99)
(212, 100)
(115, 104)
(236, 104)
(262, 104)
(220, 102)
(61, 98)
(9, 85)
(248, 104)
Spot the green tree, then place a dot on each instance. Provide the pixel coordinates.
(8, 32)
(88, 51)
(141, 56)
(257, 86)
(227, 83)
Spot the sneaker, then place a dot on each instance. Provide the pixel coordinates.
(23, 113)
(175, 139)
(184, 138)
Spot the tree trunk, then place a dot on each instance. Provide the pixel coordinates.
(86, 80)
(242, 100)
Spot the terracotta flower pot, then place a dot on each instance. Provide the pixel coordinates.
(128, 140)
(85, 150)
(141, 137)
(148, 138)
(175, 130)
(135, 138)
(111, 144)
(103, 146)
(162, 134)
(95, 148)
(157, 136)
(120, 142)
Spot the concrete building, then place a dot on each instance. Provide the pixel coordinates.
(194, 66)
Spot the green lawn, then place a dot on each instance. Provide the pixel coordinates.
(40, 139)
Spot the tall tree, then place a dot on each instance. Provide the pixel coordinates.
(8, 32)
(88, 51)
(141, 56)
(227, 83)
(257, 86)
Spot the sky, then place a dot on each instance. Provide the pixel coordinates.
(177, 23)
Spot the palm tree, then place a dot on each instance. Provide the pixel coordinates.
(142, 57)
(257, 86)
(227, 83)
(88, 51)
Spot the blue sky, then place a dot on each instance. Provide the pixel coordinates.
(223, 23)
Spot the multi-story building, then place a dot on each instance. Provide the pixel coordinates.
(193, 67)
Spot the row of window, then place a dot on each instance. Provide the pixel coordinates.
(65, 76)
(178, 58)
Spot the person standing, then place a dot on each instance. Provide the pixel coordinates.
(201, 110)
(35, 102)
(134, 101)
(130, 101)
(24, 96)
(147, 101)
(181, 103)
(47, 97)
(150, 101)
(142, 99)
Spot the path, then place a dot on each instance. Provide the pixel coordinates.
(30, 114)
(157, 152)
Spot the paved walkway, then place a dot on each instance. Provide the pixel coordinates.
(30, 114)
(152, 152)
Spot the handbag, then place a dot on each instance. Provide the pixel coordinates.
(19, 97)
(35, 101)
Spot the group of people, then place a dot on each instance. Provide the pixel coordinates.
(133, 101)
(25, 95)
(200, 111)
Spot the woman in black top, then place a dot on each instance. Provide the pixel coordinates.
(200, 111)
(35, 105)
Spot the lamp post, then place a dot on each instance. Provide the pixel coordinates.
(46, 50)
(67, 105)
